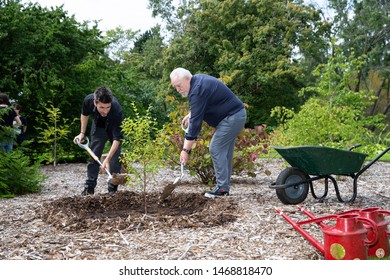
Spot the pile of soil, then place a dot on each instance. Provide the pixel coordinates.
(129, 210)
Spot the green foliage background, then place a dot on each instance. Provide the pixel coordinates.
(335, 116)
(266, 51)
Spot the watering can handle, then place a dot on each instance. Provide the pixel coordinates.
(352, 211)
(317, 220)
(374, 227)
(385, 212)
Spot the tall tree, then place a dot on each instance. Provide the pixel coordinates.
(363, 26)
(134, 75)
(251, 45)
(47, 56)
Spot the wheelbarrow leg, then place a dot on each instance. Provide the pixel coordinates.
(336, 187)
(325, 191)
(354, 193)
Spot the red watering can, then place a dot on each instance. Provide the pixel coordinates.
(381, 248)
(345, 240)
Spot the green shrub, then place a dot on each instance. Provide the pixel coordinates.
(335, 117)
(17, 175)
(250, 144)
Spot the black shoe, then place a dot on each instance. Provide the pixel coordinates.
(217, 191)
(88, 191)
(112, 188)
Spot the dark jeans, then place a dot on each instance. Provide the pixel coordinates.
(98, 141)
(7, 145)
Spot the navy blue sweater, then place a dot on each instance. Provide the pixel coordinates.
(210, 101)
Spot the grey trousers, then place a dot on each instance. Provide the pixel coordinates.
(98, 141)
(222, 147)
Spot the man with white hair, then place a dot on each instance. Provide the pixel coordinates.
(213, 102)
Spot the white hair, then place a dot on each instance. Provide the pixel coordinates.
(180, 73)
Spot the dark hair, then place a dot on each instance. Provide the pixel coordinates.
(17, 106)
(4, 99)
(103, 95)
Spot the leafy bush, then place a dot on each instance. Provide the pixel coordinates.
(54, 129)
(317, 123)
(17, 175)
(335, 117)
(250, 144)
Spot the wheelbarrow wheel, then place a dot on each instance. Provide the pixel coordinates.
(294, 194)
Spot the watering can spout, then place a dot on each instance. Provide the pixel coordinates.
(305, 234)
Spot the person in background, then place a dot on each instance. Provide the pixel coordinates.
(7, 118)
(213, 102)
(107, 117)
(23, 128)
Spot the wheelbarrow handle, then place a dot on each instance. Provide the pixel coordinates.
(354, 147)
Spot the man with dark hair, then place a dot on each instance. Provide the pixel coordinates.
(7, 118)
(107, 117)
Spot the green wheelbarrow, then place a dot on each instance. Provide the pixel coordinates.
(312, 163)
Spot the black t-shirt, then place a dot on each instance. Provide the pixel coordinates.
(101, 121)
(7, 119)
(112, 123)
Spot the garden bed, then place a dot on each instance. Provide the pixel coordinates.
(58, 223)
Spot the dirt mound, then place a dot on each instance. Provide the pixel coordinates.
(126, 210)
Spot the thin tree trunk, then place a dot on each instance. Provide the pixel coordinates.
(378, 92)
